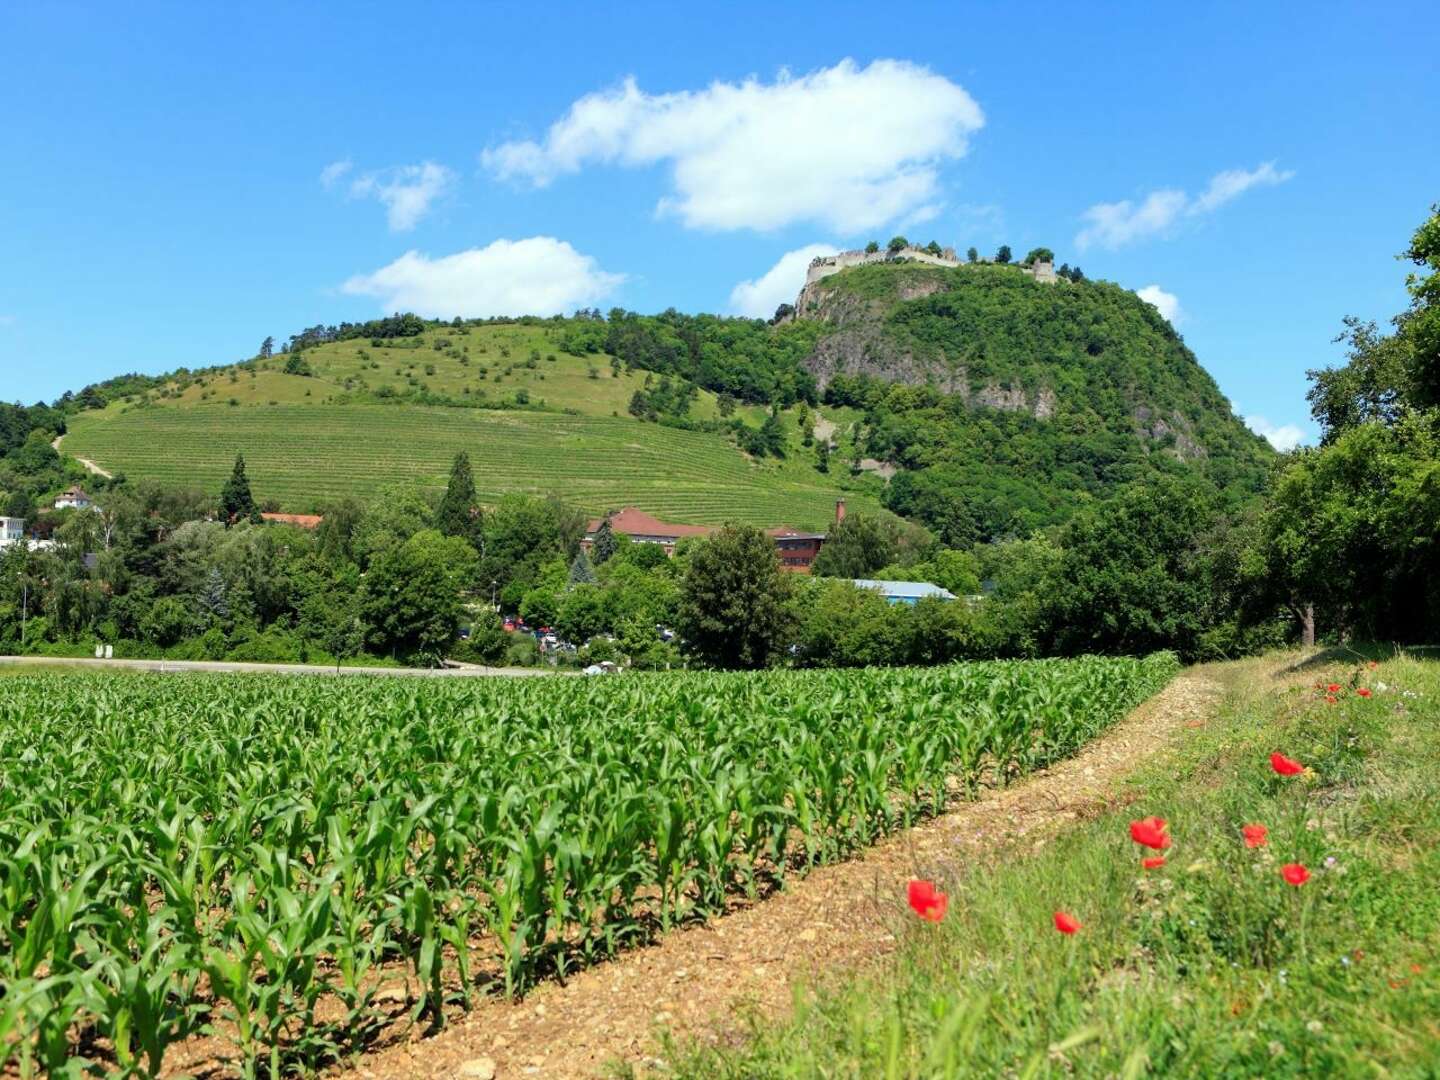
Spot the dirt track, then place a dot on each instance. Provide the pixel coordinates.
(837, 918)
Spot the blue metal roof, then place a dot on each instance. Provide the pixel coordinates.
(905, 590)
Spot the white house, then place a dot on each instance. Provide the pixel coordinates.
(11, 530)
(72, 498)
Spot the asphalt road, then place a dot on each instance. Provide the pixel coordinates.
(228, 667)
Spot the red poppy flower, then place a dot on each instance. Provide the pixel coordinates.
(1363, 691)
(928, 902)
(1154, 862)
(1066, 923)
(1255, 835)
(1334, 688)
(1285, 766)
(1295, 874)
(1331, 698)
(1150, 832)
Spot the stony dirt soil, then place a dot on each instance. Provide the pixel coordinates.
(696, 982)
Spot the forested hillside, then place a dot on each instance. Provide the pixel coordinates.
(1008, 403)
(973, 400)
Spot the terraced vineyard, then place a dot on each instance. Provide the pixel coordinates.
(303, 454)
(253, 859)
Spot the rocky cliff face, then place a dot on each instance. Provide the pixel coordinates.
(859, 345)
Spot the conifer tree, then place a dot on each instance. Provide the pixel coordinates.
(459, 514)
(236, 502)
(581, 570)
(605, 543)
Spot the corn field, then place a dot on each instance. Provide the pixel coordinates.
(253, 858)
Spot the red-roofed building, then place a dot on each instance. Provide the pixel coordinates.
(797, 549)
(300, 521)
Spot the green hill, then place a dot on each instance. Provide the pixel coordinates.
(1006, 402)
(973, 399)
(349, 428)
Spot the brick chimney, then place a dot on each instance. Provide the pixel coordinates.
(839, 511)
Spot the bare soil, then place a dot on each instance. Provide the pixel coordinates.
(697, 982)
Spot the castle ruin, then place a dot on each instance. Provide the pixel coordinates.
(822, 266)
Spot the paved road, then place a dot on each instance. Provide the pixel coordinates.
(225, 666)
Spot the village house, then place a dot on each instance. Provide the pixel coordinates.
(73, 498)
(797, 549)
(299, 521)
(12, 530)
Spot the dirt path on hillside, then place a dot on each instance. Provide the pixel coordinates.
(90, 466)
(837, 918)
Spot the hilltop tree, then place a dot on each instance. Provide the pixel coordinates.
(934, 248)
(872, 247)
(605, 543)
(459, 513)
(236, 502)
(772, 436)
(971, 255)
(897, 244)
(267, 348)
(734, 600)
(1002, 256)
(1039, 254)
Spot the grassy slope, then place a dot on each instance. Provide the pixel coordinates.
(307, 439)
(1210, 966)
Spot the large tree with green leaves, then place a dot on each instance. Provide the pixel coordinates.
(1351, 531)
(459, 512)
(412, 602)
(236, 502)
(733, 610)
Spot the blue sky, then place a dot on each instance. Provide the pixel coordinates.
(178, 181)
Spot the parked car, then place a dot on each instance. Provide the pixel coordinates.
(604, 667)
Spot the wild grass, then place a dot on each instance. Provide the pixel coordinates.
(1208, 966)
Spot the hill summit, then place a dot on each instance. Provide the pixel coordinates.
(979, 399)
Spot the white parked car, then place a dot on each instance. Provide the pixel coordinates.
(605, 667)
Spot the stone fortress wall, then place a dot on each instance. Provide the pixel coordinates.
(822, 266)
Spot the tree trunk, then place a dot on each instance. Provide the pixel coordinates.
(1307, 626)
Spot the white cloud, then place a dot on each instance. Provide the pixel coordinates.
(1168, 304)
(535, 276)
(1282, 437)
(1113, 225)
(1232, 182)
(759, 298)
(407, 191)
(847, 147)
(334, 172)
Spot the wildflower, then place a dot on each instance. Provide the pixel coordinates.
(1255, 835)
(1154, 862)
(1363, 691)
(1295, 874)
(927, 901)
(1150, 832)
(1331, 698)
(1066, 923)
(1334, 688)
(1285, 766)
(1373, 664)
(1315, 1027)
